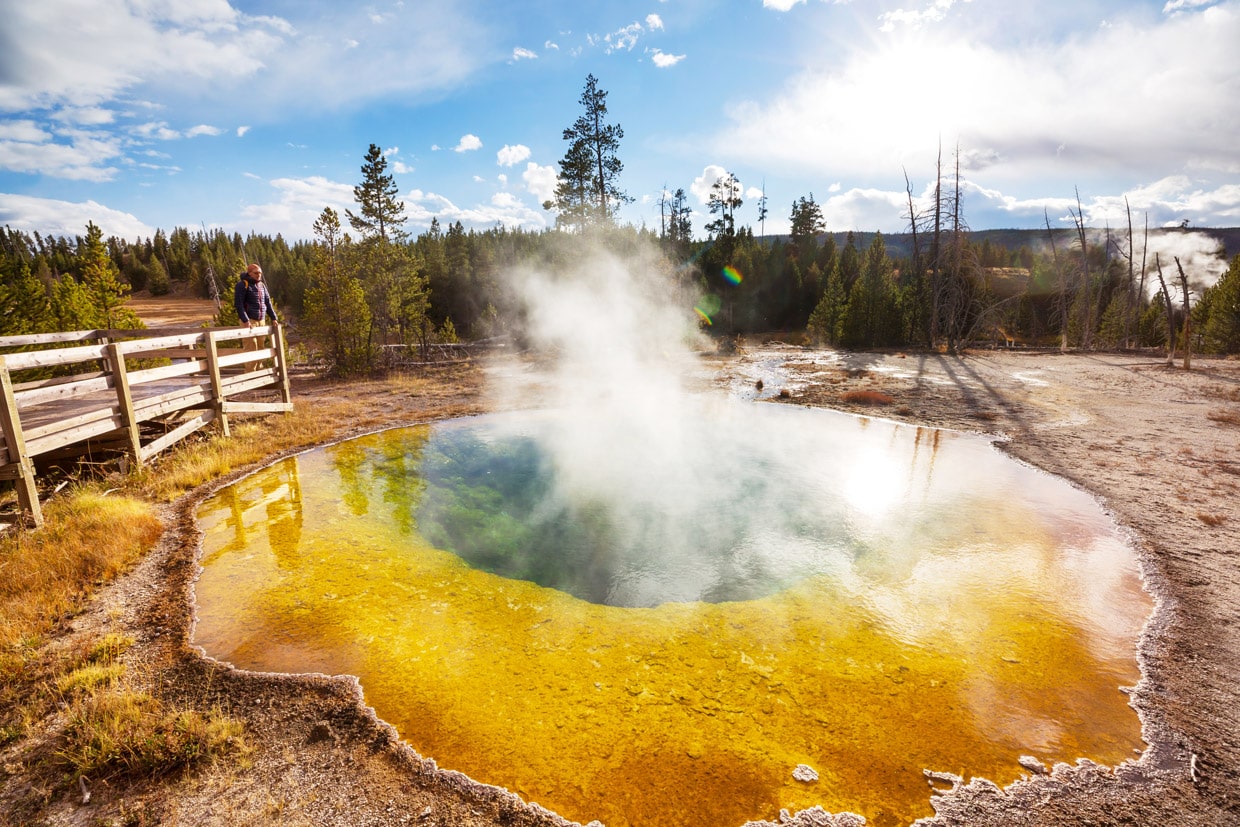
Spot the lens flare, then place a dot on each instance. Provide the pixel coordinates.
(707, 307)
(732, 274)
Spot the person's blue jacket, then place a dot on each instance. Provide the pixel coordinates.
(253, 300)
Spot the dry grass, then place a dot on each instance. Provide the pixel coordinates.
(1224, 416)
(118, 731)
(1212, 519)
(88, 538)
(867, 398)
(107, 725)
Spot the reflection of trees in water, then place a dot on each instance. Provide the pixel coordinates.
(347, 459)
(392, 458)
(397, 466)
(269, 503)
(285, 513)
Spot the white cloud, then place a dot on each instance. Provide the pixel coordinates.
(300, 202)
(512, 155)
(780, 5)
(663, 60)
(540, 181)
(624, 39)
(25, 131)
(754, 193)
(61, 53)
(66, 218)
(241, 130)
(468, 143)
(25, 147)
(933, 13)
(401, 168)
(523, 54)
(701, 185)
(1173, 6)
(203, 129)
(85, 115)
(654, 22)
(1099, 96)
(551, 45)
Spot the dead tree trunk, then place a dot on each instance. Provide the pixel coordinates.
(1188, 318)
(1063, 287)
(1087, 323)
(1170, 318)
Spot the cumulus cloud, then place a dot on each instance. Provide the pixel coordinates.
(67, 218)
(85, 115)
(654, 22)
(468, 143)
(241, 130)
(664, 60)
(27, 147)
(1064, 127)
(299, 202)
(701, 185)
(523, 54)
(202, 129)
(540, 181)
(512, 155)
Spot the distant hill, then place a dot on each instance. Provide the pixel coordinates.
(900, 245)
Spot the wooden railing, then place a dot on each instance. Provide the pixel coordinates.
(113, 381)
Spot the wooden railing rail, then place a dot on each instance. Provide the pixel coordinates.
(118, 389)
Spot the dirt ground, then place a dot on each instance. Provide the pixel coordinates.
(1159, 446)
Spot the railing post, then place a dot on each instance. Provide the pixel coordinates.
(217, 383)
(15, 444)
(120, 380)
(277, 344)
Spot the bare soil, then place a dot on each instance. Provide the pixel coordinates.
(177, 309)
(1159, 446)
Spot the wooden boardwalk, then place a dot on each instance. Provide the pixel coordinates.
(65, 395)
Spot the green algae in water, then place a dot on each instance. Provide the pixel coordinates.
(866, 598)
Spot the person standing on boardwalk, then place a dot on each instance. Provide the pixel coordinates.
(252, 299)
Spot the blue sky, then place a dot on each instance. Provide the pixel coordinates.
(254, 116)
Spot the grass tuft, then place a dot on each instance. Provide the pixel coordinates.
(122, 732)
(89, 678)
(867, 398)
(1224, 416)
(1212, 519)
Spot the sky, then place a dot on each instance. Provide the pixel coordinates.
(140, 115)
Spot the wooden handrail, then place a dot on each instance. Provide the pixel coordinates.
(67, 410)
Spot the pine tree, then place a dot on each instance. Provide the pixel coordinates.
(381, 214)
(589, 191)
(337, 315)
(1221, 327)
(104, 289)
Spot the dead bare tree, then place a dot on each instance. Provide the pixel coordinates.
(1187, 339)
(1087, 322)
(936, 271)
(919, 273)
(1063, 286)
(1170, 316)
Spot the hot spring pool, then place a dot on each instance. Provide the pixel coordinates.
(657, 628)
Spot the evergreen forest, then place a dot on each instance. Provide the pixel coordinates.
(348, 292)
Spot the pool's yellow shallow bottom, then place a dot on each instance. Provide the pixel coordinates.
(684, 713)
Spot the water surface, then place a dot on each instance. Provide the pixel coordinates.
(660, 634)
